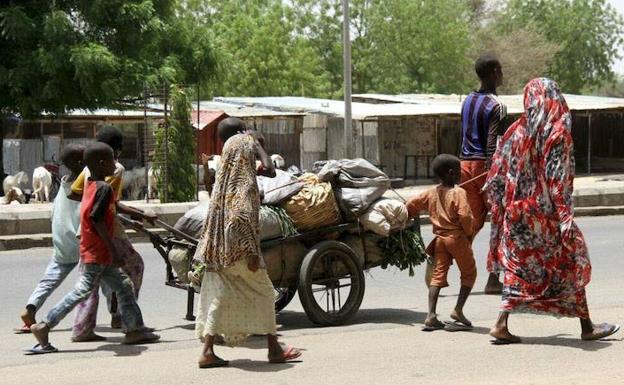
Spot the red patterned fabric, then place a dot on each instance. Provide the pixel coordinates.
(534, 239)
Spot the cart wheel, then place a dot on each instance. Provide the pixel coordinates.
(331, 283)
(283, 296)
(428, 273)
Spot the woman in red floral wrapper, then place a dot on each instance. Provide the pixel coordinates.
(534, 239)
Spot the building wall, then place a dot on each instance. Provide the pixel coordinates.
(313, 140)
(407, 145)
(282, 136)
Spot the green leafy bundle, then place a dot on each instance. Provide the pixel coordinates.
(404, 249)
(287, 226)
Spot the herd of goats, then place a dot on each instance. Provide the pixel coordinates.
(137, 183)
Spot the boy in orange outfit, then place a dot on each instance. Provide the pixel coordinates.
(453, 226)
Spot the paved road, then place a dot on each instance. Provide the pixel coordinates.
(383, 344)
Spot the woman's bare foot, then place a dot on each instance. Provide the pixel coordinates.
(503, 336)
(282, 356)
(600, 331)
(91, 337)
(211, 360)
(41, 331)
(493, 285)
(458, 316)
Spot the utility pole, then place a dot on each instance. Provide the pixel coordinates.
(346, 46)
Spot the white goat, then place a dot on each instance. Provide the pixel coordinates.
(42, 184)
(12, 181)
(133, 182)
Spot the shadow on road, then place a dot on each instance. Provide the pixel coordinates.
(260, 366)
(570, 342)
(291, 320)
(119, 349)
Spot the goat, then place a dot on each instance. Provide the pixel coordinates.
(42, 184)
(133, 182)
(14, 196)
(12, 181)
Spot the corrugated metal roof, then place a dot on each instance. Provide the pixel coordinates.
(102, 112)
(514, 103)
(360, 111)
(205, 117)
(242, 111)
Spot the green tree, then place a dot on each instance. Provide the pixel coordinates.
(419, 45)
(588, 33)
(260, 51)
(175, 151)
(60, 55)
(537, 53)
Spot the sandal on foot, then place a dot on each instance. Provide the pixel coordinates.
(436, 326)
(41, 349)
(25, 329)
(289, 355)
(136, 338)
(89, 338)
(457, 326)
(215, 364)
(505, 341)
(606, 330)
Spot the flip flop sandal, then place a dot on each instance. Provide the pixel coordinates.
(39, 349)
(148, 338)
(503, 341)
(289, 355)
(216, 364)
(457, 327)
(604, 334)
(25, 329)
(431, 328)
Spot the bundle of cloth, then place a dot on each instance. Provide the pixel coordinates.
(357, 184)
(274, 223)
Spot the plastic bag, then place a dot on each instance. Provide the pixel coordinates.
(277, 190)
(357, 184)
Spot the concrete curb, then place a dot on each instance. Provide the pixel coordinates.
(27, 241)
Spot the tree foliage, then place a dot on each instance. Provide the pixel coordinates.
(588, 34)
(59, 55)
(259, 50)
(175, 151)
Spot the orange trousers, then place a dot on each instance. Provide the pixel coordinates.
(445, 249)
(476, 199)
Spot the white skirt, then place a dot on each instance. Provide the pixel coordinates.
(236, 303)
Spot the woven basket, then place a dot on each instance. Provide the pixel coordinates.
(314, 206)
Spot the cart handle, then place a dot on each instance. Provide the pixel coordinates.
(177, 232)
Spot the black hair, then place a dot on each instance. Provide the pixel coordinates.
(96, 152)
(71, 152)
(229, 127)
(443, 163)
(486, 65)
(110, 135)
